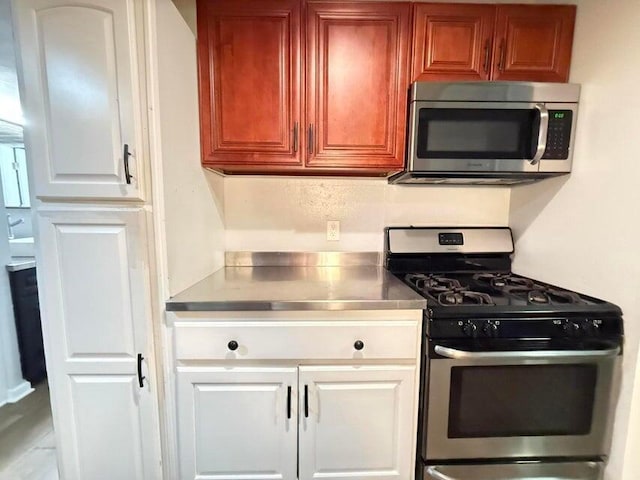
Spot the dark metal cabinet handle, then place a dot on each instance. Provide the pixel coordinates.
(503, 52)
(126, 154)
(487, 45)
(289, 402)
(140, 376)
(359, 345)
(306, 401)
(310, 138)
(295, 137)
(232, 345)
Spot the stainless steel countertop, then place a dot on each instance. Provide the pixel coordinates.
(298, 288)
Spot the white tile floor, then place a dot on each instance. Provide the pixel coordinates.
(27, 442)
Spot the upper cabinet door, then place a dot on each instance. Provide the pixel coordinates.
(249, 64)
(81, 97)
(533, 42)
(357, 74)
(452, 41)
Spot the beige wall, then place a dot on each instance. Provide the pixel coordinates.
(290, 214)
(582, 232)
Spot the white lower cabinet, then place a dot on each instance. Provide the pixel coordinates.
(327, 395)
(237, 423)
(324, 422)
(358, 422)
(95, 314)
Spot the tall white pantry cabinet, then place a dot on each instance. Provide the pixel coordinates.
(82, 87)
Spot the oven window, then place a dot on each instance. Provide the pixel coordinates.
(477, 133)
(516, 400)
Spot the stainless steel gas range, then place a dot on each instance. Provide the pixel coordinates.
(519, 376)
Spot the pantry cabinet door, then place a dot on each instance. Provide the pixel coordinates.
(81, 97)
(250, 79)
(92, 280)
(357, 422)
(533, 42)
(237, 423)
(357, 83)
(452, 41)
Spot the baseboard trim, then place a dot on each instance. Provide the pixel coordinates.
(17, 393)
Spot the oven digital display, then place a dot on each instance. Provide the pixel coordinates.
(450, 239)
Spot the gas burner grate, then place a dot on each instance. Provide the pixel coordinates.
(447, 291)
(463, 297)
(500, 281)
(543, 295)
(433, 283)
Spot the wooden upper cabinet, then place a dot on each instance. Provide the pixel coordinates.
(250, 79)
(533, 42)
(452, 41)
(357, 79)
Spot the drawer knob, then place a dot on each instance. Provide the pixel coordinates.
(232, 345)
(359, 345)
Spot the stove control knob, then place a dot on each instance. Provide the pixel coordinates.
(490, 329)
(470, 329)
(591, 327)
(571, 329)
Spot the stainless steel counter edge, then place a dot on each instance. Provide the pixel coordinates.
(17, 265)
(287, 305)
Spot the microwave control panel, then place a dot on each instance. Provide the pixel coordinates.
(559, 135)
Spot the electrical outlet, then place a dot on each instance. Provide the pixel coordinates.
(333, 230)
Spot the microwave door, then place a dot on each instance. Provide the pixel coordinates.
(477, 136)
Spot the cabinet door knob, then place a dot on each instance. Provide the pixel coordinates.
(232, 345)
(359, 345)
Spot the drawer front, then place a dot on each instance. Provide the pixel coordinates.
(297, 340)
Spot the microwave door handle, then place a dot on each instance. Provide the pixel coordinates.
(456, 354)
(542, 133)
(437, 475)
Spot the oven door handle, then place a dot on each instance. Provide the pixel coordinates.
(542, 134)
(434, 473)
(456, 354)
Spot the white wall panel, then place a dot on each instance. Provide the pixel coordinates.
(582, 231)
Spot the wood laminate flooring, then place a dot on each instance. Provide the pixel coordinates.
(27, 442)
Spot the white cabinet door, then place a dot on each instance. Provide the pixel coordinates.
(80, 96)
(92, 279)
(237, 423)
(359, 422)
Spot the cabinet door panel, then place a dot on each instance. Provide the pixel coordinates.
(249, 56)
(94, 298)
(360, 422)
(534, 42)
(233, 423)
(452, 42)
(357, 58)
(81, 96)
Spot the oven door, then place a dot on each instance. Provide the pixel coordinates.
(477, 136)
(521, 403)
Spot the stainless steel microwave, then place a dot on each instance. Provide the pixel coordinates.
(489, 132)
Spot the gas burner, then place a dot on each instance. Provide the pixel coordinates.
(433, 283)
(498, 281)
(543, 295)
(463, 297)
